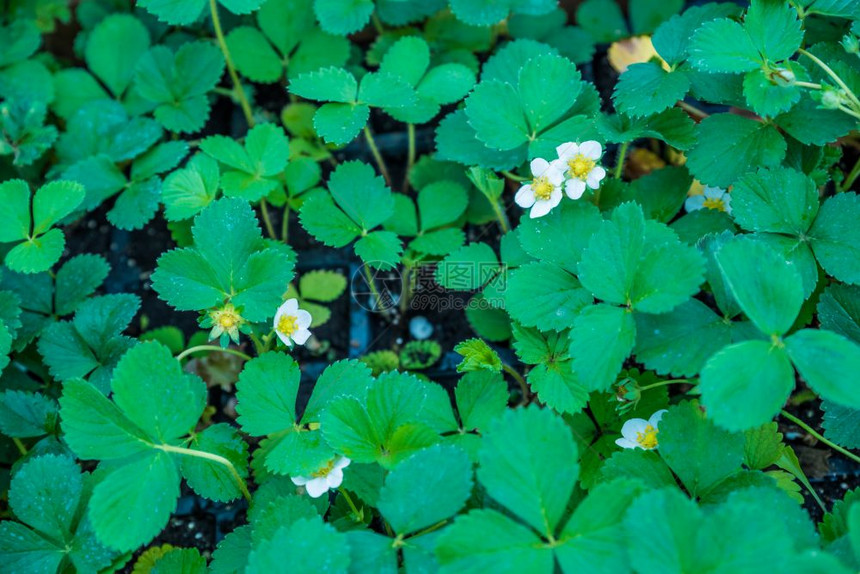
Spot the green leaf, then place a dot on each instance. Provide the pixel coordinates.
(811, 125)
(834, 237)
(361, 194)
(477, 356)
(697, 451)
(533, 484)
(601, 339)
(44, 494)
(24, 550)
(343, 17)
(645, 89)
(771, 299)
(603, 19)
(489, 541)
(762, 446)
(826, 361)
(408, 58)
(24, 414)
(155, 394)
(380, 249)
(94, 427)
(253, 55)
(662, 192)
(441, 203)
(180, 560)
(745, 385)
(495, 113)
(468, 268)
(340, 123)
(319, 285)
(545, 296)
(127, 512)
(37, 254)
(443, 473)
(481, 396)
(840, 424)
(340, 378)
(774, 29)
(724, 46)
(115, 68)
(839, 310)
(766, 96)
(326, 85)
(187, 191)
(229, 263)
(729, 146)
(210, 479)
(681, 341)
(322, 219)
(590, 538)
(383, 90)
(266, 392)
(646, 16)
(779, 200)
(543, 104)
(674, 521)
(457, 141)
(642, 465)
(571, 225)
(178, 83)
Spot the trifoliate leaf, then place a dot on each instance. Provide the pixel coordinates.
(361, 194)
(477, 356)
(178, 83)
(325, 221)
(187, 191)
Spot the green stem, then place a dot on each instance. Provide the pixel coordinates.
(372, 284)
(622, 154)
(833, 75)
(20, 445)
(410, 157)
(240, 91)
(264, 209)
(351, 504)
(849, 111)
(429, 529)
(819, 437)
(514, 177)
(377, 23)
(501, 215)
(406, 289)
(663, 384)
(524, 388)
(809, 85)
(371, 143)
(214, 458)
(851, 177)
(190, 350)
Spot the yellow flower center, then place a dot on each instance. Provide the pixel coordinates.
(324, 470)
(715, 203)
(542, 187)
(226, 318)
(580, 166)
(647, 439)
(288, 325)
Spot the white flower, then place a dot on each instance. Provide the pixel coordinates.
(291, 323)
(544, 191)
(328, 477)
(639, 433)
(579, 162)
(711, 198)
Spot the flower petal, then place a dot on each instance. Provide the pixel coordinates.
(655, 418)
(301, 336)
(633, 427)
(539, 166)
(342, 462)
(566, 151)
(574, 188)
(525, 197)
(713, 192)
(299, 480)
(555, 197)
(694, 203)
(303, 319)
(626, 443)
(284, 339)
(727, 203)
(290, 306)
(555, 175)
(595, 176)
(334, 478)
(591, 149)
(541, 208)
(317, 487)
